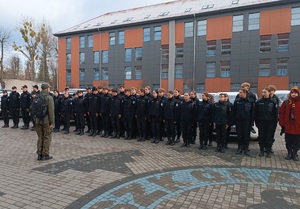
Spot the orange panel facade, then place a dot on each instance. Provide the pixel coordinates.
(281, 83)
(97, 42)
(75, 62)
(213, 85)
(178, 84)
(275, 21)
(133, 83)
(100, 83)
(219, 28)
(104, 41)
(165, 34)
(134, 38)
(164, 85)
(179, 33)
(62, 60)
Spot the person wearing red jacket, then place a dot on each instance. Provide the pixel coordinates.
(289, 120)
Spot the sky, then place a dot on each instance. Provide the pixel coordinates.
(61, 14)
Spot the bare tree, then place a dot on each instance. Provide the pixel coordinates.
(4, 37)
(32, 38)
(14, 68)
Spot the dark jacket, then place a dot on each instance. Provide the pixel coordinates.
(244, 109)
(266, 110)
(154, 107)
(104, 103)
(221, 113)
(93, 103)
(170, 109)
(14, 100)
(128, 107)
(25, 100)
(5, 102)
(115, 106)
(204, 111)
(187, 111)
(57, 102)
(79, 105)
(141, 106)
(66, 105)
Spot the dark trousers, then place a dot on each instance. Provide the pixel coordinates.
(14, 112)
(99, 124)
(5, 116)
(221, 135)
(128, 125)
(292, 141)
(194, 130)
(93, 121)
(115, 121)
(80, 123)
(25, 116)
(266, 134)
(104, 120)
(170, 127)
(178, 128)
(57, 120)
(243, 133)
(227, 135)
(203, 132)
(141, 125)
(88, 123)
(66, 119)
(186, 129)
(155, 126)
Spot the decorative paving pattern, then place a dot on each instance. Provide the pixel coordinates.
(115, 162)
(152, 190)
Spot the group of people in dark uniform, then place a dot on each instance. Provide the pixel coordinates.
(143, 114)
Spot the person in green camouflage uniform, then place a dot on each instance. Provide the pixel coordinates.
(44, 126)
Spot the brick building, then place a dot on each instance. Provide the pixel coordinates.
(209, 45)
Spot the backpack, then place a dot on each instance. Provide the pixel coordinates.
(39, 107)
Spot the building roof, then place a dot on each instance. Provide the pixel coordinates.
(162, 11)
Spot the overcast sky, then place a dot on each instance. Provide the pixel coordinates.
(61, 14)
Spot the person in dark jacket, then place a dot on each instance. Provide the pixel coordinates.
(266, 115)
(228, 129)
(204, 117)
(79, 110)
(221, 119)
(57, 102)
(5, 109)
(32, 96)
(66, 111)
(178, 100)
(211, 125)
(289, 120)
(195, 100)
(170, 113)
(121, 96)
(275, 98)
(148, 96)
(155, 116)
(35, 88)
(244, 117)
(115, 113)
(104, 111)
(141, 115)
(14, 106)
(93, 110)
(187, 111)
(24, 106)
(127, 113)
(87, 117)
(99, 118)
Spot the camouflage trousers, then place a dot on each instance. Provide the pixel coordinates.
(44, 138)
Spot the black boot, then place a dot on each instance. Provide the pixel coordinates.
(239, 150)
(262, 153)
(153, 140)
(289, 155)
(91, 133)
(172, 142)
(295, 155)
(114, 135)
(177, 139)
(246, 151)
(81, 132)
(168, 142)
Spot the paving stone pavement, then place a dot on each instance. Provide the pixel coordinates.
(93, 172)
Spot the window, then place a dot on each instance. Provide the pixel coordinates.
(82, 42)
(202, 27)
(238, 23)
(264, 67)
(82, 57)
(68, 59)
(295, 16)
(121, 37)
(164, 71)
(105, 73)
(179, 71)
(292, 84)
(82, 74)
(138, 72)
(146, 34)
(211, 48)
(68, 76)
(128, 73)
(157, 33)
(200, 87)
(265, 44)
(225, 69)
(254, 21)
(165, 52)
(188, 29)
(138, 54)
(68, 43)
(179, 50)
(226, 47)
(208, 6)
(163, 14)
(211, 69)
(282, 66)
(104, 56)
(96, 57)
(128, 55)
(112, 38)
(90, 41)
(96, 74)
(283, 42)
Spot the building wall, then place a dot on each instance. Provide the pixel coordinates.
(244, 58)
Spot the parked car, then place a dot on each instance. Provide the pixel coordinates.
(282, 95)
(232, 96)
